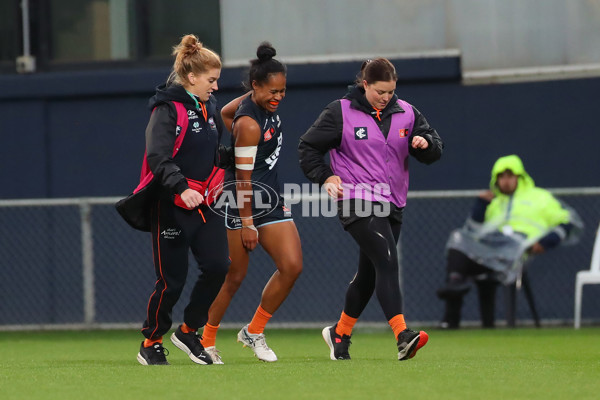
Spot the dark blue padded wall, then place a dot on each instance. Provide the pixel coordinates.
(23, 150)
(82, 134)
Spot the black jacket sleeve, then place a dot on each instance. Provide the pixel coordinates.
(224, 156)
(422, 128)
(479, 208)
(553, 239)
(160, 141)
(324, 134)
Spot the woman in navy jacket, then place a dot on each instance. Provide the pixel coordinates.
(179, 177)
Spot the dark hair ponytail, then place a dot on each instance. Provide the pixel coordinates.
(264, 65)
(379, 69)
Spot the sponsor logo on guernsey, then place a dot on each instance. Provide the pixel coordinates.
(360, 133)
(269, 134)
(287, 213)
(192, 114)
(403, 132)
(272, 159)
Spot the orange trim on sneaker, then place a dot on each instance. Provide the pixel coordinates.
(150, 343)
(345, 325)
(186, 329)
(259, 321)
(423, 339)
(398, 325)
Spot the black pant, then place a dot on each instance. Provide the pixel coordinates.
(174, 232)
(459, 269)
(377, 267)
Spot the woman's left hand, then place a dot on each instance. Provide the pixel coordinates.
(537, 249)
(419, 142)
(249, 237)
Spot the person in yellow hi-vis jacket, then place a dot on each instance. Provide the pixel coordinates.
(510, 221)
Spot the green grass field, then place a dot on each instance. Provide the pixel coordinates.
(547, 363)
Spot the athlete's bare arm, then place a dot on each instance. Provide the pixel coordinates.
(247, 133)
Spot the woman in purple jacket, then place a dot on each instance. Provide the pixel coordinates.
(369, 134)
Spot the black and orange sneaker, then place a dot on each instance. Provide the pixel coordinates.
(338, 345)
(409, 342)
(153, 355)
(191, 345)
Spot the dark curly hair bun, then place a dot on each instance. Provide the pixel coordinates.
(265, 52)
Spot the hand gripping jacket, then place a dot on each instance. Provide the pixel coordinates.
(135, 208)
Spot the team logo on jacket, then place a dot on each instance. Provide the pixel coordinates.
(269, 134)
(212, 124)
(360, 133)
(196, 127)
(403, 132)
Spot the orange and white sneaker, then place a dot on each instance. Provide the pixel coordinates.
(409, 342)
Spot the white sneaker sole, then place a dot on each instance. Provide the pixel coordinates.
(327, 338)
(179, 344)
(403, 355)
(141, 359)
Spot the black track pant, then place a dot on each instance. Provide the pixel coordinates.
(377, 267)
(459, 269)
(174, 232)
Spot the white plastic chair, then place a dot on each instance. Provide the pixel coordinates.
(586, 277)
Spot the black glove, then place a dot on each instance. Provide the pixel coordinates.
(225, 157)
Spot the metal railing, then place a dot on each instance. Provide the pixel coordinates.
(74, 263)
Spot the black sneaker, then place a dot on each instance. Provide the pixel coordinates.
(409, 342)
(153, 355)
(190, 343)
(337, 344)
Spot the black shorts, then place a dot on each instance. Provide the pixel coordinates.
(279, 213)
(349, 215)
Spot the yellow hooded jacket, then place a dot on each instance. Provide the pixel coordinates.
(530, 210)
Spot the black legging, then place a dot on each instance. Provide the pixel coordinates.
(459, 269)
(377, 267)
